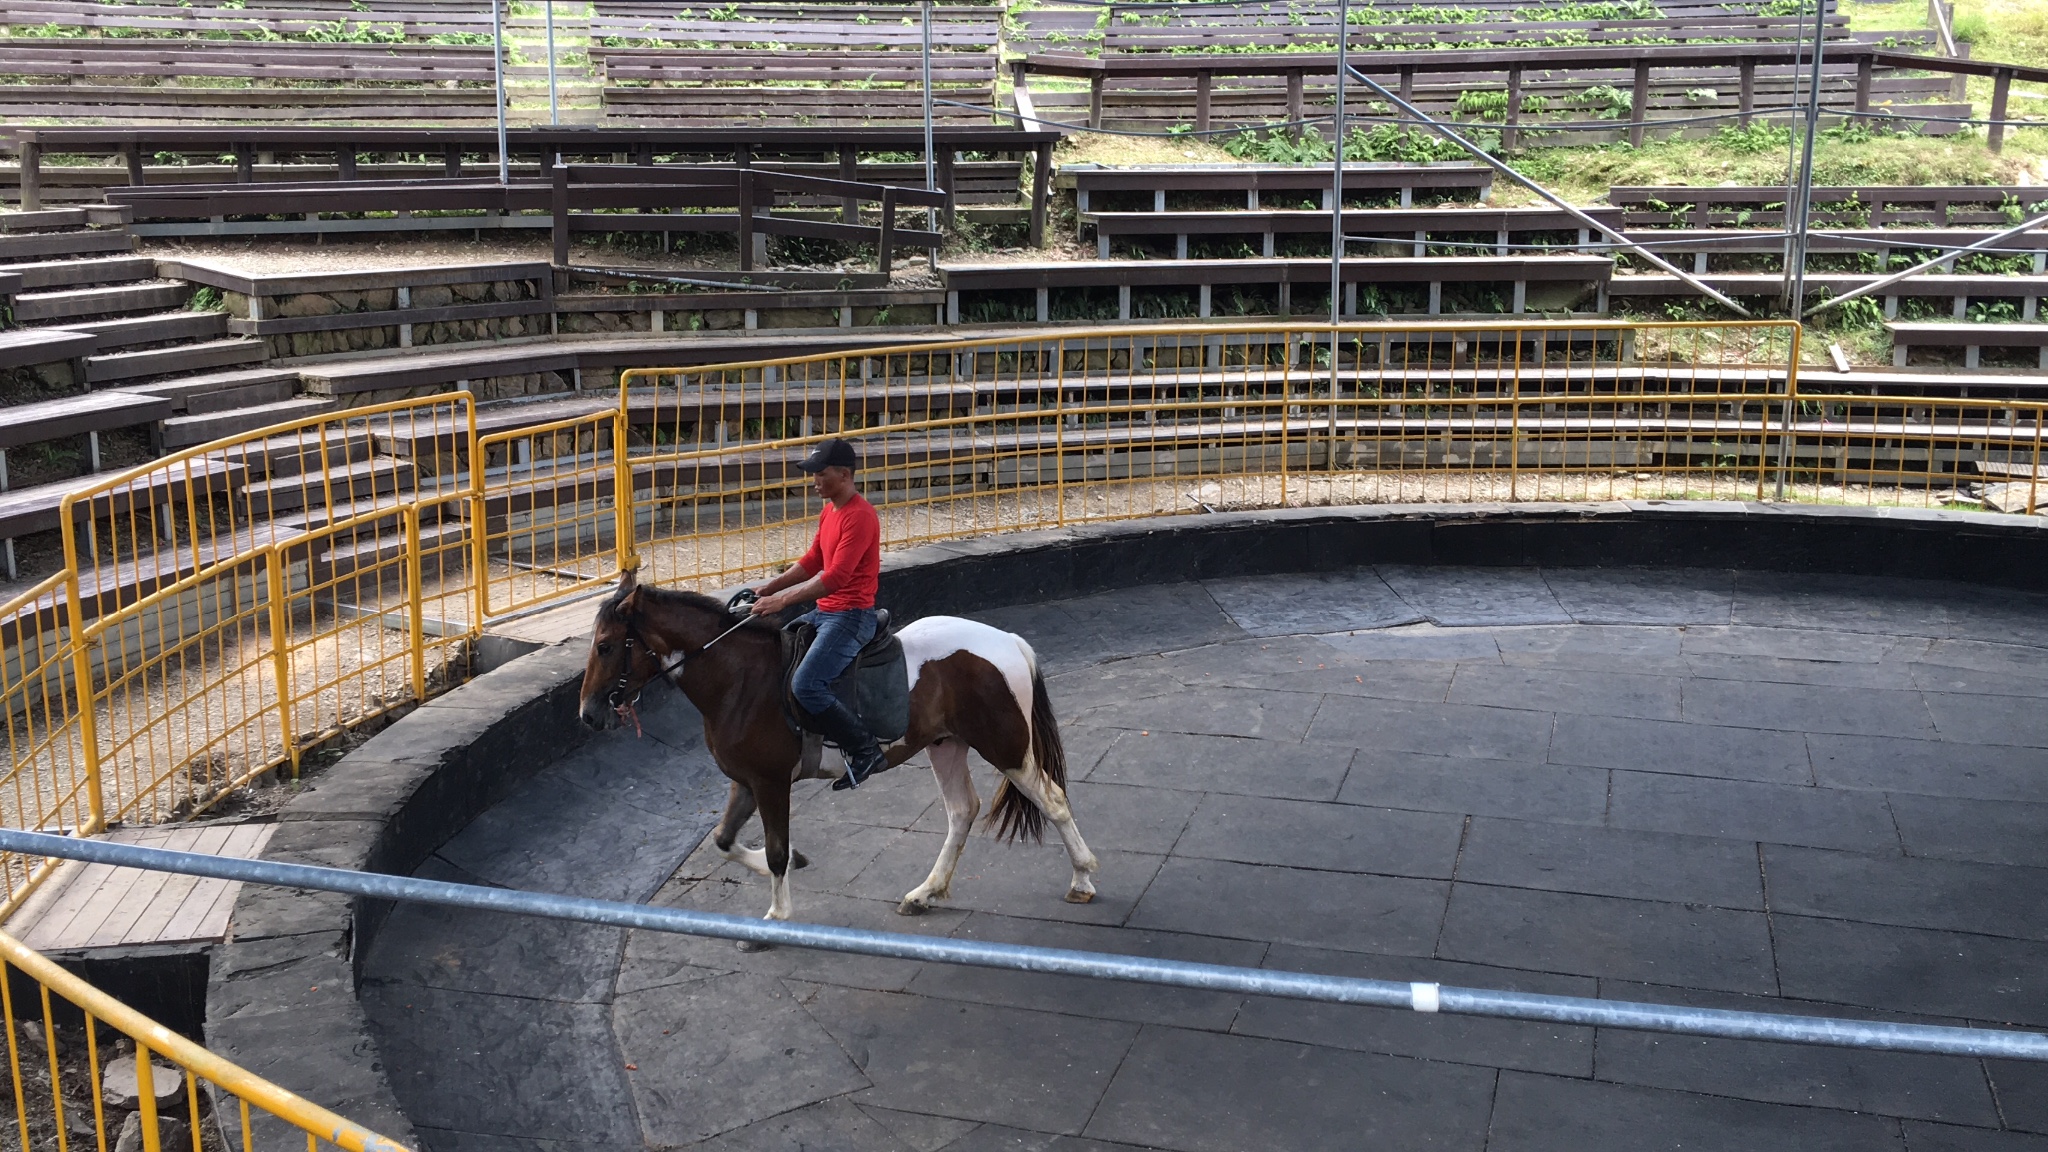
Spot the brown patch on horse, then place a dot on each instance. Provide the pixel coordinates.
(973, 687)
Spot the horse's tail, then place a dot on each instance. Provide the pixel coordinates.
(1011, 813)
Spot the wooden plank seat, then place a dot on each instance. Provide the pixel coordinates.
(43, 245)
(392, 82)
(1574, 275)
(1875, 206)
(39, 508)
(1959, 290)
(267, 60)
(83, 414)
(168, 104)
(108, 587)
(1451, 181)
(432, 369)
(1385, 224)
(721, 106)
(588, 198)
(25, 347)
(1888, 243)
(1854, 69)
(818, 26)
(1574, 113)
(823, 66)
(1972, 338)
(745, 145)
(259, 24)
(822, 86)
(1193, 36)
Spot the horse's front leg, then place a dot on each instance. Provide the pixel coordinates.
(739, 808)
(775, 822)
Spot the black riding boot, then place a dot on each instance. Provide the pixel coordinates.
(863, 756)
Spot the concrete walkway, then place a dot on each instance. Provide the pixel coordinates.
(1809, 794)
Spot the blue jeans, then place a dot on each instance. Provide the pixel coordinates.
(840, 636)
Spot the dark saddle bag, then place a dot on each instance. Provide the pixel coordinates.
(876, 685)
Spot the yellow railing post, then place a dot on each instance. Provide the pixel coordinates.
(415, 615)
(81, 670)
(145, 1091)
(280, 654)
(625, 512)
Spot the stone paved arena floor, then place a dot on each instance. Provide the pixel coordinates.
(1812, 794)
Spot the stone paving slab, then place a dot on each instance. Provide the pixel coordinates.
(1786, 793)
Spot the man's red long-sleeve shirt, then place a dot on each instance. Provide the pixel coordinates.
(847, 555)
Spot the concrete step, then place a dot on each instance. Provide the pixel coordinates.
(185, 431)
(155, 328)
(53, 274)
(441, 549)
(181, 358)
(70, 304)
(357, 480)
(224, 391)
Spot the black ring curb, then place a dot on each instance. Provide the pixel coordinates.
(281, 1000)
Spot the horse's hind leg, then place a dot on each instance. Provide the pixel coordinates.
(956, 787)
(1051, 799)
(739, 808)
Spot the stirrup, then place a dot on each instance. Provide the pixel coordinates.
(855, 775)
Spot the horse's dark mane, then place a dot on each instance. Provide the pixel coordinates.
(683, 597)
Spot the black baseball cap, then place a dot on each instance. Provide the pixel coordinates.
(834, 453)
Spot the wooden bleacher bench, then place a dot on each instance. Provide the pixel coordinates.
(80, 415)
(1389, 224)
(97, 78)
(1878, 206)
(1569, 273)
(260, 23)
(23, 347)
(841, 26)
(1550, 86)
(1286, 182)
(1972, 338)
(817, 87)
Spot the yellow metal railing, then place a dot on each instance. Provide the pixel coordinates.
(62, 1041)
(222, 611)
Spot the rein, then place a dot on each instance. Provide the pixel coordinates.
(671, 667)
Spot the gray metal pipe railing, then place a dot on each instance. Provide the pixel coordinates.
(1415, 996)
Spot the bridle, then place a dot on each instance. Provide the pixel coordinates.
(671, 667)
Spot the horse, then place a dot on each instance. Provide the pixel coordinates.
(972, 686)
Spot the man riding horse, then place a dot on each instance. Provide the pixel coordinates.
(840, 572)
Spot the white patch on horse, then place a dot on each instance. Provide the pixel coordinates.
(754, 860)
(937, 637)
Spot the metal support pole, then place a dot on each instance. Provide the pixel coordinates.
(1413, 996)
(931, 181)
(554, 101)
(1795, 294)
(1556, 201)
(1337, 196)
(498, 75)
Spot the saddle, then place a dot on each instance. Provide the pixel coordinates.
(876, 686)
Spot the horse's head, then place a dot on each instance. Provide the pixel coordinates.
(620, 663)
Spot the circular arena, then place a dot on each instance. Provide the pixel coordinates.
(1499, 543)
(1762, 785)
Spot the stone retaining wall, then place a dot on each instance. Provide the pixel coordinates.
(282, 999)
